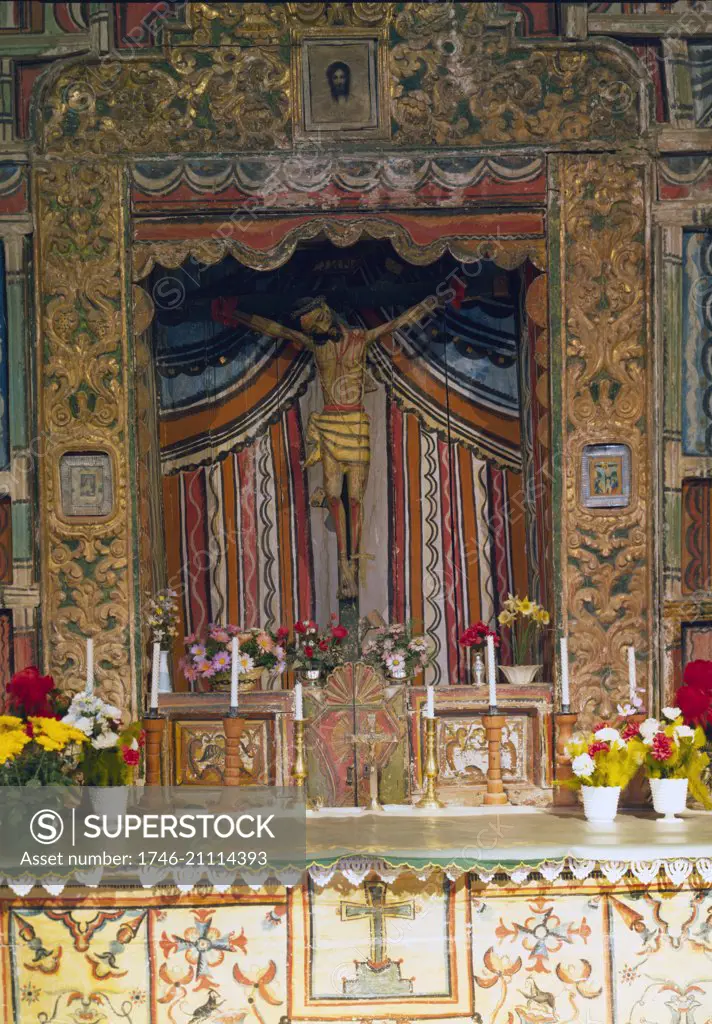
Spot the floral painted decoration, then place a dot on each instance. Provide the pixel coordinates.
(523, 618)
(397, 648)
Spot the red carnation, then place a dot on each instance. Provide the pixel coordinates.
(300, 627)
(629, 730)
(308, 651)
(282, 633)
(598, 747)
(339, 632)
(699, 674)
(141, 738)
(28, 692)
(323, 645)
(694, 703)
(599, 725)
(662, 747)
(131, 756)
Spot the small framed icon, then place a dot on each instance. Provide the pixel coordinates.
(86, 484)
(606, 476)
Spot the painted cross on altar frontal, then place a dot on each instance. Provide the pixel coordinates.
(379, 975)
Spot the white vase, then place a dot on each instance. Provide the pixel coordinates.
(600, 803)
(164, 675)
(669, 797)
(109, 800)
(519, 675)
(311, 676)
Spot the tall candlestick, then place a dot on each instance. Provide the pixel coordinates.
(234, 666)
(430, 706)
(154, 675)
(632, 682)
(491, 672)
(298, 703)
(90, 666)
(565, 696)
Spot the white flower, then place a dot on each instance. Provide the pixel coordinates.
(624, 710)
(649, 728)
(245, 663)
(85, 725)
(395, 660)
(583, 766)
(608, 734)
(105, 741)
(683, 732)
(672, 713)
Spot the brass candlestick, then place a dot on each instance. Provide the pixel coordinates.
(232, 727)
(429, 799)
(153, 727)
(299, 768)
(495, 794)
(564, 725)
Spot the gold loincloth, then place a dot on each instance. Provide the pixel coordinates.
(343, 435)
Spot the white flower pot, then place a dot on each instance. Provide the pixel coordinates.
(519, 675)
(109, 800)
(164, 675)
(600, 803)
(669, 797)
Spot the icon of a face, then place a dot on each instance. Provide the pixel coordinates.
(338, 75)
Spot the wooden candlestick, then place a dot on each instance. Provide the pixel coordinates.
(233, 728)
(429, 799)
(495, 794)
(299, 768)
(564, 726)
(153, 727)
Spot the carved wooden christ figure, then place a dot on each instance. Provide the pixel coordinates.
(338, 436)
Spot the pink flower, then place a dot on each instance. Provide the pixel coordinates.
(663, 747)
(221, 661)
(131, 757)
(205, 668)
(221, 636)
(630, 729)
(598, 747)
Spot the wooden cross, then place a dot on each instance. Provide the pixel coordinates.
(377, 910)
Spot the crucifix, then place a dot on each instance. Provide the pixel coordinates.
(377, 911)
(371, 740)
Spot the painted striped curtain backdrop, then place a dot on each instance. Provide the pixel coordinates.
(444, 532)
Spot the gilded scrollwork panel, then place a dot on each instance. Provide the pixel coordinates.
(82, 398)
(606, 552)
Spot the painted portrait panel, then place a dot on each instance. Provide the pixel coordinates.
(340, 84)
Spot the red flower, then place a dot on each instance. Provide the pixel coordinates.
(339, 632)
(599, 725)
(699, 674)
(476, 635)
(662, 747)
(598, 747)
(131, 757)
(141, 738)
(305, 626)
(629, 730)
(323, 645)
(282, 633)
(694, 703)
(308, 651)
(28, 692)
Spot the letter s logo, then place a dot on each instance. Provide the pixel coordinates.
(46, 827)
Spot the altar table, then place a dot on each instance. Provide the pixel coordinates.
(507, 916)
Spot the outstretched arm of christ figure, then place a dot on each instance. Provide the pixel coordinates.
(270, 327)
(411, 316)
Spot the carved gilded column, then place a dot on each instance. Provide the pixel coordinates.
(83, 408)
(602, 372)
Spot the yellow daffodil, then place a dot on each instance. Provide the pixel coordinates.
(542, 616)
(510, 604)
(505, 618)
(525, 607)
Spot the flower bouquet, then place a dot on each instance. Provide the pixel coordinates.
(163, 618)
(110, 753)
(397, 651)
(523, 618)
(318, 652)
(475, 638)
(674, 761)
(207, 662)
(603, 762)
(36, 748)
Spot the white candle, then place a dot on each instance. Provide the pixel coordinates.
(491, 672)
(430, 706)
(565, 696)
(632, 682)
(154, 675)
(234, 665)
(90, 666)
(298, 702)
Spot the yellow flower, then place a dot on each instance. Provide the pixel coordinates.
(525, 607)
(12, 742)
(50, 734)
(510, 604)
(505, 618)
(10, 722)
(542, 615)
